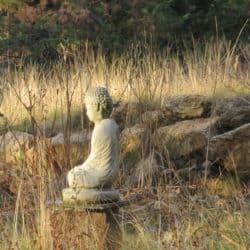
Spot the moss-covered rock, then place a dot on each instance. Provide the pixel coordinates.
(186, 107)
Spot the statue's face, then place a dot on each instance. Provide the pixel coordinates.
(92, 112)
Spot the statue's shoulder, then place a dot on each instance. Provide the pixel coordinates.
(106, 127)
(109, 123)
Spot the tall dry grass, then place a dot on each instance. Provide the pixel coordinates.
(170, 218)
(140, 74)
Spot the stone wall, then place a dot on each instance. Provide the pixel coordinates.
(185, 136)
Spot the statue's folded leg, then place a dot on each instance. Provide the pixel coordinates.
(85, 186)
(81, 178)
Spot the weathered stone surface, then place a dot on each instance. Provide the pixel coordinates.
(186, 107)
(79, 146)
(131, 141)
(233, 149)
(89, 196)
(119, 112)
(184, 138)
(224, 104)
(233, 113)
(81, 138)
(154, 118)
(93, 179)
(132, 137)
(127, 113)
(13, 146)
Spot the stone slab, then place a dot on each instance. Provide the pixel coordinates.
(84, 207)
(73, 196)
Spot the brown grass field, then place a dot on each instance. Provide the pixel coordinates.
(176, 215)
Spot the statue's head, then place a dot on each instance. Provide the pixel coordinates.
(99, 104)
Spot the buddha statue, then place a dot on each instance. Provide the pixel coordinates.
(91, 181)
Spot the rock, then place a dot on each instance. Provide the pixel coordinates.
(13, 146)
(89, 195)
(153, 119)
(233, 113)
(186, 107)
(119, 112)
(75, 138)
(132, 137)
(131, 141)
(225, 104)
(79, 146)
(233, 149)
(184, 138)
(127, 113)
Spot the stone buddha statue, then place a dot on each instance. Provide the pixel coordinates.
(91, 182)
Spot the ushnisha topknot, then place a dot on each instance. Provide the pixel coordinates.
(100, 95)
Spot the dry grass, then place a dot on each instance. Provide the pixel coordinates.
(179, 219)
(170, 217)
(141, 75)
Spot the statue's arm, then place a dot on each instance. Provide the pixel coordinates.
(86, 164)
(74, 174)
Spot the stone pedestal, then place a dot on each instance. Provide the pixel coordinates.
(85, 226)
